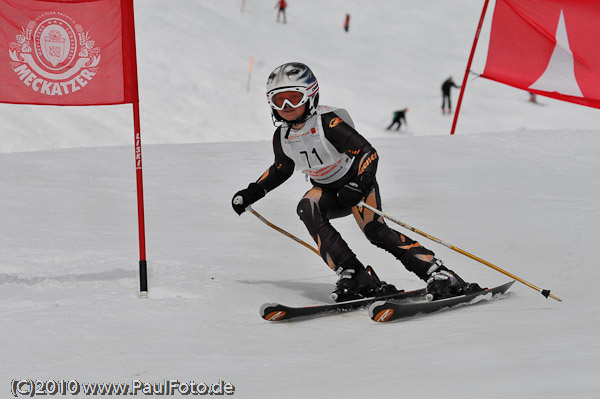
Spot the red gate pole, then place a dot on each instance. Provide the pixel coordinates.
(464, 83)
(140, 200)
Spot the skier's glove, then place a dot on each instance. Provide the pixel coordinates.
(351, 194)
(247, 196)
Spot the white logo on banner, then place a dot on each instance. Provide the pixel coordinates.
(559, 75)
(54, 56)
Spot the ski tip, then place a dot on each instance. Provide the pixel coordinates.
(265, 306)
(275, 316)
(383, 315)
(271, 315)
(380, 313)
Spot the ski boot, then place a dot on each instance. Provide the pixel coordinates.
(444, 283)
(353, 283)
(382, 288)
(356, 282)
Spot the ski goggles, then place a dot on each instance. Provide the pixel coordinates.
(293, 96)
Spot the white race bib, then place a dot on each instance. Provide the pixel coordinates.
(313, 153)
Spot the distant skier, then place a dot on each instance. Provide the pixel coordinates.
(398, 117)
(282, 4)
(446, 86)
(322, 142)
(347, 23)
(532, 98)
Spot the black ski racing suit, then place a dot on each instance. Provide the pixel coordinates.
(320, 203)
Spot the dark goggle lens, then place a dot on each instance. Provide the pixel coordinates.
(294, 97)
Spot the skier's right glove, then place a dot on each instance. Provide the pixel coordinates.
(247, 196)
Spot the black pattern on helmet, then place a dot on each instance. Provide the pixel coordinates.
(294, 75)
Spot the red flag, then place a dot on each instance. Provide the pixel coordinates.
(549, 47)
(67, 52)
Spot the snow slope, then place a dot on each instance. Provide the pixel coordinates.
(516, 186)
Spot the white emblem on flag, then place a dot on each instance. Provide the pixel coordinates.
(54, 56)
(559, 75)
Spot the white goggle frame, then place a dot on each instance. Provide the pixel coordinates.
(307, 93)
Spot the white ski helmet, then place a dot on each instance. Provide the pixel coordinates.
(293, 77)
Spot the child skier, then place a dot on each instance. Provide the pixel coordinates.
(322, 142)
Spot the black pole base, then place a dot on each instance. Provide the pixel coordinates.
(143, 279)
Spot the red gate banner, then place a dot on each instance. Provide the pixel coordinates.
(549, 47)
(67, 52)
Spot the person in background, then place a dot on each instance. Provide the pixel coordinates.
(532, 98)
(282, 4)
(399, 116)
(347, 23)
(446, 86)
(322, 142)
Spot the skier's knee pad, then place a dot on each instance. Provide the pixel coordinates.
(304, 210)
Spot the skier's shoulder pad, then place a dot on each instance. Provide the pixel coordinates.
(332, 116)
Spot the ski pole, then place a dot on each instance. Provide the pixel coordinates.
(282, 231)
(545, 293)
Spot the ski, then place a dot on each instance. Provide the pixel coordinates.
(388, 310)
(279, 312)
